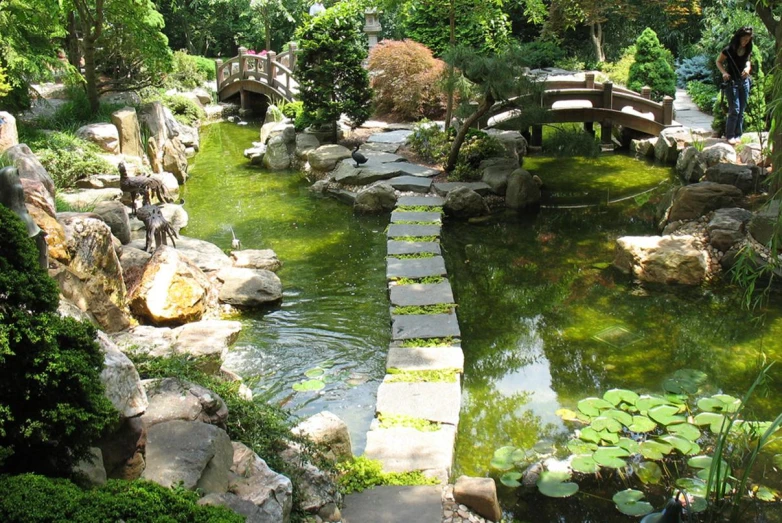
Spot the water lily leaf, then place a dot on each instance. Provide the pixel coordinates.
(665, 414)
(719, 403)
(712, 419)
(630, 502)
(655, 449)
(609, 437)
(611, 457)
(696, 376)
(700, 462)
(685, 381)
(681, 444)
(555, 484)
(567, 415)
(649, 473)
(511, 479)
(731, 404)
(616, 396)
(309, 385)
(584, 464)
(694, 486)
(619, 415)
(543, 447)
(593, 406)
(685, 430)
(724, 474)
(766, 494)
(317, 372)
(629, 445)
(642, 424)
(577, 446)
(505, 453)
(602, 423)
(590, 434)
(646, 402)
(677, 399)
(752, 428)
(503, 458)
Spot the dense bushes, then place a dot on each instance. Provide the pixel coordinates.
(703, 94)
(190, 71)
(570, 140)
(185, 110)
(37, 499)
(406, 80)
(651, 67)
(52, 405)
(695, 69)
(542, 54)
(619, 71)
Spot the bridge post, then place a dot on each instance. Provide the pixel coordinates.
(646, 92)
(292, 64)
(667, 110)
(219, 80)
(590, 80)
(608, 103)
(243, 98)
(271, 57)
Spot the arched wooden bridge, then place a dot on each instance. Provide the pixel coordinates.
(270, 75)
(588, 101)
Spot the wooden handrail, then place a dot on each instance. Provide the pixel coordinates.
(272, 69)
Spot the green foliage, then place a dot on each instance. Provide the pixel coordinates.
(413, 343)
(415, 255)
(406, 80)
(619, 72)
(703, 94)
(697, 68)
(51, 397)
(295, 111)
(480, 25)
(422, 376)
(439, 308)
(388, 421)
(332, 80)
(542, 54)
(651, 68)
(76, 112)
(188, 72)
(38, 499)
(184, 109)
(426, 280)
(473, 151)
(568, 140)
(417, 239)
(429, 142)
(362, 473)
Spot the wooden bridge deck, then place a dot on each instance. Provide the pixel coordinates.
(270, 75)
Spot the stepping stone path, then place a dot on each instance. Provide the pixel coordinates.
(422, 387)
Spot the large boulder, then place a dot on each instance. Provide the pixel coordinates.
(662, 259)
(8, 133)
(256, 259)
(672, 141)
(172, 290)
(175, 159)
(515, 144)
(522, 191)
(763, 224)
(375, 199)
(693, 201)
(121, 380)
(126, 122)
(55, 234)
(718, 153)
(196, 454)
(328, 431)
(207, 256)
(727, 227)
(85, 200)
(284, 129)
(480, 495)
(304, 144)
(255, 153)
(123, 449)
(206, 338)
(104, 135)
(91, 468)
(745, 177)
(115, 215)
(326, 157)
(496, 177)
(189, 137)
(174, 399)
(464, 203)
(28, 166)
(254, 481)
(643, 148)
(35, 193)
(249, 287)
(688, 165)
(317, 488)
(278, 154)
(156, 342)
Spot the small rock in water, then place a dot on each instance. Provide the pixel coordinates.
(242, 123)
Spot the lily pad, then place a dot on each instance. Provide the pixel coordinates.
(317, 372)
(567, 415)
(630, 445)
(616, 396)
(714, 420)
(602, 423)
(584, 464)
(505, 458)
(694, 486)
(578, 446)
(612, 438)
(700, 462)
(592, 406)
(766, 494)
(511, 479)
(646, 402)
(619, 415)
(685, 381)
(665, 415)
(630, 502)
(649, 472)
(611, 457)
(685, 430)
(642, 424)
(308, 386)
(589, 434)
(681, 444)
(655, 449)
(719, 403)
(555, 484)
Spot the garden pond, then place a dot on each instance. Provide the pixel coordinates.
(545, 320)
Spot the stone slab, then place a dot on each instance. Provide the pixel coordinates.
(410, 326)
(425, 358)
(399, 137)
(443, 188)
(370, 172)
(424, 201)
(418, 184)
(401, 216)
(421, 294)
(391, 504)
(397, 231)
(413, 169)
(381, 147)
(415, 267)
(436, 401)
(396, 247)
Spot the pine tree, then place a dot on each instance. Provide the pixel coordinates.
(651, 67)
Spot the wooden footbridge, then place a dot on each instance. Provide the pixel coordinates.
(588, 101)
(270, 75)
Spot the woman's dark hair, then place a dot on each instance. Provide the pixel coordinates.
(735, 42)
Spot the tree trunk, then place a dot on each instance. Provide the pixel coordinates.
(90, 74)
(452, 42)
(596, 35)
(774, 27)
(72, 42)
(453, 155)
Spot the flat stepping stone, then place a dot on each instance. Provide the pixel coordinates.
(443, 188)
(411, 183)
(421, 294)
(403, 449)
(421, 201)
(397, 247)
(391, 504)
(398, 137)
(404, 216)
(347, 173)
(413, 169)
(378, 157)
(435, 401)
(409, 326)
(425, 358)
(399, 231)
(381, 147)
(415, 267)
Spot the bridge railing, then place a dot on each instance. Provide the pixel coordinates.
(271, 69)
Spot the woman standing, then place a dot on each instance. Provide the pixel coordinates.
(734, 64)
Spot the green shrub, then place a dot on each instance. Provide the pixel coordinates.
(37, 499)
(651, 67)
(190, 71)
(185, 110)
(703, 94)
(542, 54)
(76, 112)
(52, 402)
(429, 142)
(619, 71)
(206, 66)
(362, 473)
(295, 111)
(479, 147)
(570, 141)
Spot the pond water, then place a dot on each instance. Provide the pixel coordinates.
(545, 321)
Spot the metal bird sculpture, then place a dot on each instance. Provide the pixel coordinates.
(236, 243)
(359, 158)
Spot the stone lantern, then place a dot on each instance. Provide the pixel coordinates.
(372, 26)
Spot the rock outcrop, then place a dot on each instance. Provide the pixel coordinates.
(662, 259)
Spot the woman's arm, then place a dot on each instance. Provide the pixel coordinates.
(721, 66)
(747, 68)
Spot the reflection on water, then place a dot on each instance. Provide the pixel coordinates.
(334, 313)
